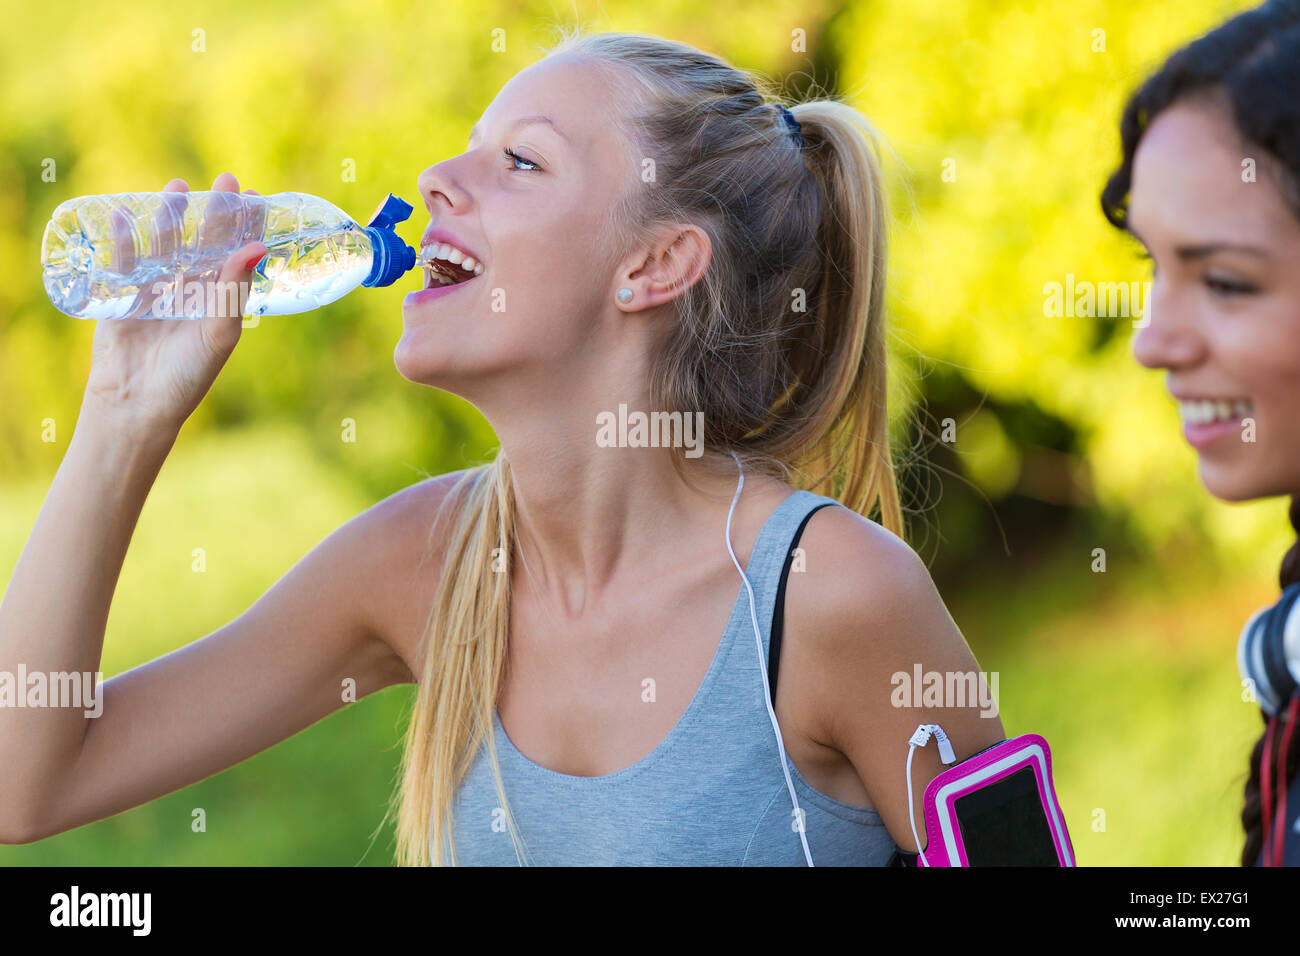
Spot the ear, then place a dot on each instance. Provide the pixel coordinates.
(674, 264)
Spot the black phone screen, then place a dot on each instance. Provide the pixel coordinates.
(1004, 824)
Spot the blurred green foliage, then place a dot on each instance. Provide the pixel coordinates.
(1003, 119)
(1063, 444)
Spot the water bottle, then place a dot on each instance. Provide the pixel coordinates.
(158, 255)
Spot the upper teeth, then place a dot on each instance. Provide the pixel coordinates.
(451, 254)
(1206, 411)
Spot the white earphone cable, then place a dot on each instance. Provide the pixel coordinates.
(911, 818)
(767, 695)
(920, 738)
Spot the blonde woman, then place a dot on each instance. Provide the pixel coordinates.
(650, 234)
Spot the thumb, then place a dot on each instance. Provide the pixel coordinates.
(224, 318)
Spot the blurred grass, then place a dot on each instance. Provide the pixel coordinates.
(1130, 675)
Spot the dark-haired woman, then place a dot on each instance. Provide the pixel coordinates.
(1210, 185)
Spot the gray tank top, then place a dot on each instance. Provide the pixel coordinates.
(711, 793)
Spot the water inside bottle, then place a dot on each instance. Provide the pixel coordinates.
(147, 263)
(310, 271)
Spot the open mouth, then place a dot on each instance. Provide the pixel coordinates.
(1211, 411)
(447, 265)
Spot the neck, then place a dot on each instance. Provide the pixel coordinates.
(588, 516)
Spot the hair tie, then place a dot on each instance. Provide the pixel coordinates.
(792, 123)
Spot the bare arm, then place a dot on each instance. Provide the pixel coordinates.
(872, 615)
(270, 673)
(348, 610)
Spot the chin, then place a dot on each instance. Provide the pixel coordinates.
(436, 369)
(1239, 482)
(417, 367)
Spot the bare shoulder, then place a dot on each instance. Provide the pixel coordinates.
(865, 610)
(866, 600)
(400, 541)
(408, 514)
(865, 567)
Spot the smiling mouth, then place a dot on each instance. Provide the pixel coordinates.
(444, 266)
(436, 276)
(1210, 411)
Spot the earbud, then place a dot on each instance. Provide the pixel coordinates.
(1268, 653)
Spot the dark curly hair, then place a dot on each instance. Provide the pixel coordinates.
(1253, 61)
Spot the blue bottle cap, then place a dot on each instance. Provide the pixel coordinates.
(393, 257)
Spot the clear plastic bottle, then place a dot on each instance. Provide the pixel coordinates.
(158, 255)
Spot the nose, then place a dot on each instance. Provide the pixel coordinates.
(440, 188)
(1171, 337)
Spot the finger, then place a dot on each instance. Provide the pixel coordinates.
(222, 215)
(168, 223)
(251, 192)
(221, 328)
(169, 218)
(123, 256)
(239, 267)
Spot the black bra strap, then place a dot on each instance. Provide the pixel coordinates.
(778, 614)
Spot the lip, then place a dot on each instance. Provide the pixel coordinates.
(420, 296)
(445, 235)
(1203, 436)
(1207, 397)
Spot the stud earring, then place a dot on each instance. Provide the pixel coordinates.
(625, 295)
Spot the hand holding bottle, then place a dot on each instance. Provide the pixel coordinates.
(150, 375)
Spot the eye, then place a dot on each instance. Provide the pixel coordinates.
(1227, 287)
(516, 158)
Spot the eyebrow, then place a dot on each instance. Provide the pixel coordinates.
(1202, 250)
(526, 121)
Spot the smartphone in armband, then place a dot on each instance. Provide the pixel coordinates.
(997, 808)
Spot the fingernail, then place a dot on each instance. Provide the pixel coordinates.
(255, 260)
